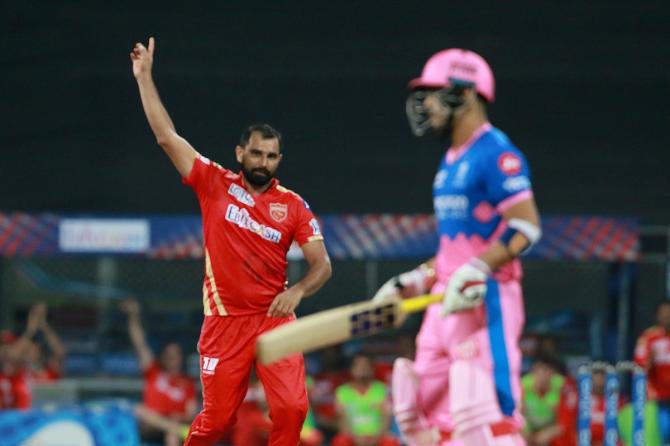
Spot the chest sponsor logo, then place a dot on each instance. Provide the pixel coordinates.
(241, 195)
(514, 184)
(661, 351)
(451, 206)
(209, 365)
(278, 212)
(240, 217)
(172, 392)
(509, 163)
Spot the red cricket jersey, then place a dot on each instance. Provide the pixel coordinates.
(15, 391)
(567, 416)
(45, 375)
(246, 238)
(167, 394)
(654, 345)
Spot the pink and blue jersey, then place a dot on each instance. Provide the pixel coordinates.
(474, 185)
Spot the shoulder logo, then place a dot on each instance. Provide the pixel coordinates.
(278, 212)
(316, 229)
(509, 163)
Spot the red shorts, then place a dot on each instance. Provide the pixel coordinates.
(227, 345)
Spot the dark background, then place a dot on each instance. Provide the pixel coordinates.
(582, 90)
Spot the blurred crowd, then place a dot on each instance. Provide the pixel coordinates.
(349, 391)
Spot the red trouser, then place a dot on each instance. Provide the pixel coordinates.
(226, 347)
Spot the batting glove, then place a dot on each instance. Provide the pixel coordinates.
(411, 283)
(466, 287)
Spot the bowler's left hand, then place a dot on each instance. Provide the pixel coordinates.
(285, 303)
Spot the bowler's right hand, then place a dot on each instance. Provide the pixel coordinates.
(143, 58)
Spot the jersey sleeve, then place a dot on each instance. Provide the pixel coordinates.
(307, 228)
(202, 175)
(507, 178)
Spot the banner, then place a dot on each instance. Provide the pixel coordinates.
(358, 237)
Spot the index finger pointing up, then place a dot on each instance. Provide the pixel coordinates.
(152, 44)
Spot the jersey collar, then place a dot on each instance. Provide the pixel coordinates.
(454, 153)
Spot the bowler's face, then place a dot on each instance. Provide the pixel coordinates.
(259, 159)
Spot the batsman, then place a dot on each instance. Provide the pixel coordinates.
(464, 385)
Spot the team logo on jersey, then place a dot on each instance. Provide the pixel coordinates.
(209, 365)
(509, 163)
(278, 212)
(241, 195)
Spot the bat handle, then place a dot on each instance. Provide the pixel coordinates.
(419, 303)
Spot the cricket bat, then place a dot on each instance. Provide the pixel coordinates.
(337, 325)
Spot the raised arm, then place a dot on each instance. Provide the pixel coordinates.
(177, 148)
(317, 275)
(136, 333)
(56, 348)
(18, 349)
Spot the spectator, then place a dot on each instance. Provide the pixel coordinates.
(40, 366)
(169, 395)
(15, 390)
(598, 408)
(569, 407)
(14, 387)
(541, 398)
(653, 353)
(322, 398)
(363, 408)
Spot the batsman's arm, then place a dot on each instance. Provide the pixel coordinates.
(411, 283)
(500, 253)
(181, 153)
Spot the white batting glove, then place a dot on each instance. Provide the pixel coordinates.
(411, 283)
(389, 291)
(466, 287)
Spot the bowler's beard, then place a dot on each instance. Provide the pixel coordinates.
(258, 176)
